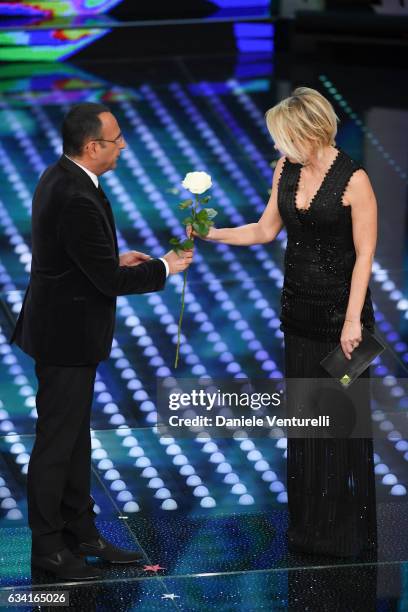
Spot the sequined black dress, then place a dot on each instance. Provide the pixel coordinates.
(330, 482)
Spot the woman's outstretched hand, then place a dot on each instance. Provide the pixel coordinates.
(351, 337)
(191, 233)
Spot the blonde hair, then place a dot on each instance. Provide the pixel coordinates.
(303, 121)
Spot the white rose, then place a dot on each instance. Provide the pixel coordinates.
(197, 182)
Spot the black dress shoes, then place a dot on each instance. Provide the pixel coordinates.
(64, 564)
(99, 547)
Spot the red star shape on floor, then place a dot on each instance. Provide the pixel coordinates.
(152, 568)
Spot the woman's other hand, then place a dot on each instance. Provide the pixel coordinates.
(351, 336)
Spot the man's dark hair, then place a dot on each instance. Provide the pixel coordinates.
(81, 123)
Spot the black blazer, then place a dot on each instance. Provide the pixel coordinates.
(68, 312)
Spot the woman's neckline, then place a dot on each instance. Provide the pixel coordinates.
(320, 188)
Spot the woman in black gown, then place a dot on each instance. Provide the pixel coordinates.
(326, 202)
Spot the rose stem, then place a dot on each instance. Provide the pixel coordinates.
(194, 211)
(181, 317)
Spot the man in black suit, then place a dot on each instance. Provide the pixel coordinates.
(66, 324)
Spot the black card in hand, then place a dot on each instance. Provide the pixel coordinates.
(347, 370)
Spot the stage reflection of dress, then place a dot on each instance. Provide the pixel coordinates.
(330, 482)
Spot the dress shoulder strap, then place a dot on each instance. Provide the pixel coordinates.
(345, 169)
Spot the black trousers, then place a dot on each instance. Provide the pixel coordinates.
(59, 471)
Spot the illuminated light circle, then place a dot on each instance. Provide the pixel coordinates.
(394, 435)
(173, 449)
(254, 455)
(198, 370)
(398, 489)
(239, 488)
(193, 481)
(187, 470)
(155, 483)
(14, 514)
(112, 474)
(118, 485)
(233, 367)
(142, 462)
(17, 448)
(152, 417)
(149, 472)
(180, 460)
(8, 502)
(166, 440)
(163, 371)
(129, 441)
(134, 384)
(269, 476)
(209, 447)
(128, 374)
(246, 500)
(208, 502)
(224, 468)
(247, 334)
(217, 457)
(247, 445)
(162, 493)
(110, 408)
(22, 459)
(389, 479)
(261, 465)
(136, 451)
(276, 486)
(99, 453)
(104, 398)
(105, 464)
(117, 419)
(131, 506)
(169, 504)
(200, 491)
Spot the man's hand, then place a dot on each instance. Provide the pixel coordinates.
(178, 263)
(133, 258)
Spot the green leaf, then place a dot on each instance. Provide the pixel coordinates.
(205, 199)
(188, 221)
(202, 216)
(211, 213)
(185, 204)
(196, 226)
(203, 229)
(188, 244)
(174, 241)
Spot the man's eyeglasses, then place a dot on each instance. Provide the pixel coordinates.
(116, 141)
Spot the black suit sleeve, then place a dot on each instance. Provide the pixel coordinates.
(85, 239)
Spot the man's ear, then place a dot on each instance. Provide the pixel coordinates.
(90, 149)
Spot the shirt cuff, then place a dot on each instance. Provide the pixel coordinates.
(166, 265)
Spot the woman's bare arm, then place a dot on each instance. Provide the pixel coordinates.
(265, 230)
(363, 203)
(361, 198)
